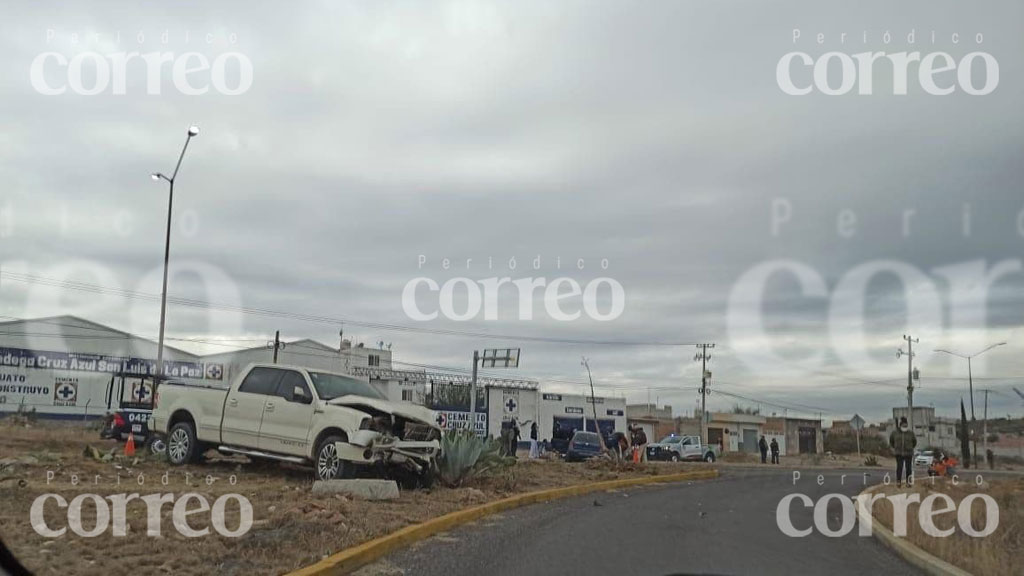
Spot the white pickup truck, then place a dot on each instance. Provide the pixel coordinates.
(334, 422)
(676, 448)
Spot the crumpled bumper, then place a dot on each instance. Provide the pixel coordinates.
(370, 447)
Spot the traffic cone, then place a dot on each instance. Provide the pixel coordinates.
(129, 446)
(636, 454)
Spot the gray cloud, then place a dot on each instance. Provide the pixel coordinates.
(651, 134)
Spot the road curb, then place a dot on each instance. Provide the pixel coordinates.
(931, 565)
(353, 558)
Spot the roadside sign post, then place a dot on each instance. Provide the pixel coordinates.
(489, 358)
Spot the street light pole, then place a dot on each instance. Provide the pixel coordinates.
(157, 176)
(593, 403)
(970, 387)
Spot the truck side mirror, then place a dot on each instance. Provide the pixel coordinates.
(299, 395)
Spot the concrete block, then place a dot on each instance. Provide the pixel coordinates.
(369, 489)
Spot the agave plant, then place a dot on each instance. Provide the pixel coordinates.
(464, 455)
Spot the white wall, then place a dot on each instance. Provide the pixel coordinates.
(503, 404)
(62, 366)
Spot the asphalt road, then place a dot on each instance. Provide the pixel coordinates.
(723, 526)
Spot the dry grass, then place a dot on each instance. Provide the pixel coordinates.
(292, 528)
(996, 554)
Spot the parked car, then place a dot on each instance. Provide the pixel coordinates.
(924, 458)
(582, 446)
(676, 448)
(335, 422)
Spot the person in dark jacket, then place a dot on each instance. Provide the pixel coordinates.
(514, 438)
(775, 451)
(763, 445)
(902, 441)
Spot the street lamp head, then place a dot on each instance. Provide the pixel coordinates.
(156, 176)
(193, 130)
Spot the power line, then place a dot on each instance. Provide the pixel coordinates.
(193, 303)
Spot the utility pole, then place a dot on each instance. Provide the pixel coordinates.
(984, 431)
(910, 376)
(276, 344)
(472, 394)
(703, 357)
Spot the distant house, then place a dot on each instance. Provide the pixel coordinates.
(735, 432)
(850, 426)
(931, 430)
(656, 422)
(799, 435)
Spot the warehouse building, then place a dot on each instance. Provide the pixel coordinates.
(62, 366)
(65, 367)
(371, 364)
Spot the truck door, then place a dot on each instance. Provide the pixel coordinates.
(690, 449)
(287, 416)
(243, 409)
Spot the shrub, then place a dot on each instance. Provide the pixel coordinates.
(465, 455)
(871, 460)
(847, 444)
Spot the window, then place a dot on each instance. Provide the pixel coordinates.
(289, 382)
(330, 386)
(406, 395)
(261, 381)
(373, 360)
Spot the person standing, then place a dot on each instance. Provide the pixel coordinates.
(640, 443)
(774, 446)
(763, 446)
(903, 441)
(514, 439)
(534, 448)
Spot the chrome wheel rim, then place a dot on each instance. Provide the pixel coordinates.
(327, 462)
(177, 446)
(157, 447)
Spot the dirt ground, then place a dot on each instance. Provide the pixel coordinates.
(992, 555)
(291, 527)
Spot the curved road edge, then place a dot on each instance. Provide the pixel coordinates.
(356, 557)
(932, 565)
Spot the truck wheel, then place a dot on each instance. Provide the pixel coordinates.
(675, 458)
(709, 457)
(328, 465)
(156, 446)
(182, 446)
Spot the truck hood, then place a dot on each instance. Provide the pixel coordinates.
(405, 410)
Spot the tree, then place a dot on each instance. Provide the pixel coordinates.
(965, 444)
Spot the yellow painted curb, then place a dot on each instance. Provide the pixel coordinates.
(353, 558)
(902, 547)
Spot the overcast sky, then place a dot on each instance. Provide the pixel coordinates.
(652, 135)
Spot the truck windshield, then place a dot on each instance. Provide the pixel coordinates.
(329, 386)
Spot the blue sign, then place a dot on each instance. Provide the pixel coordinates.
(77, 362)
